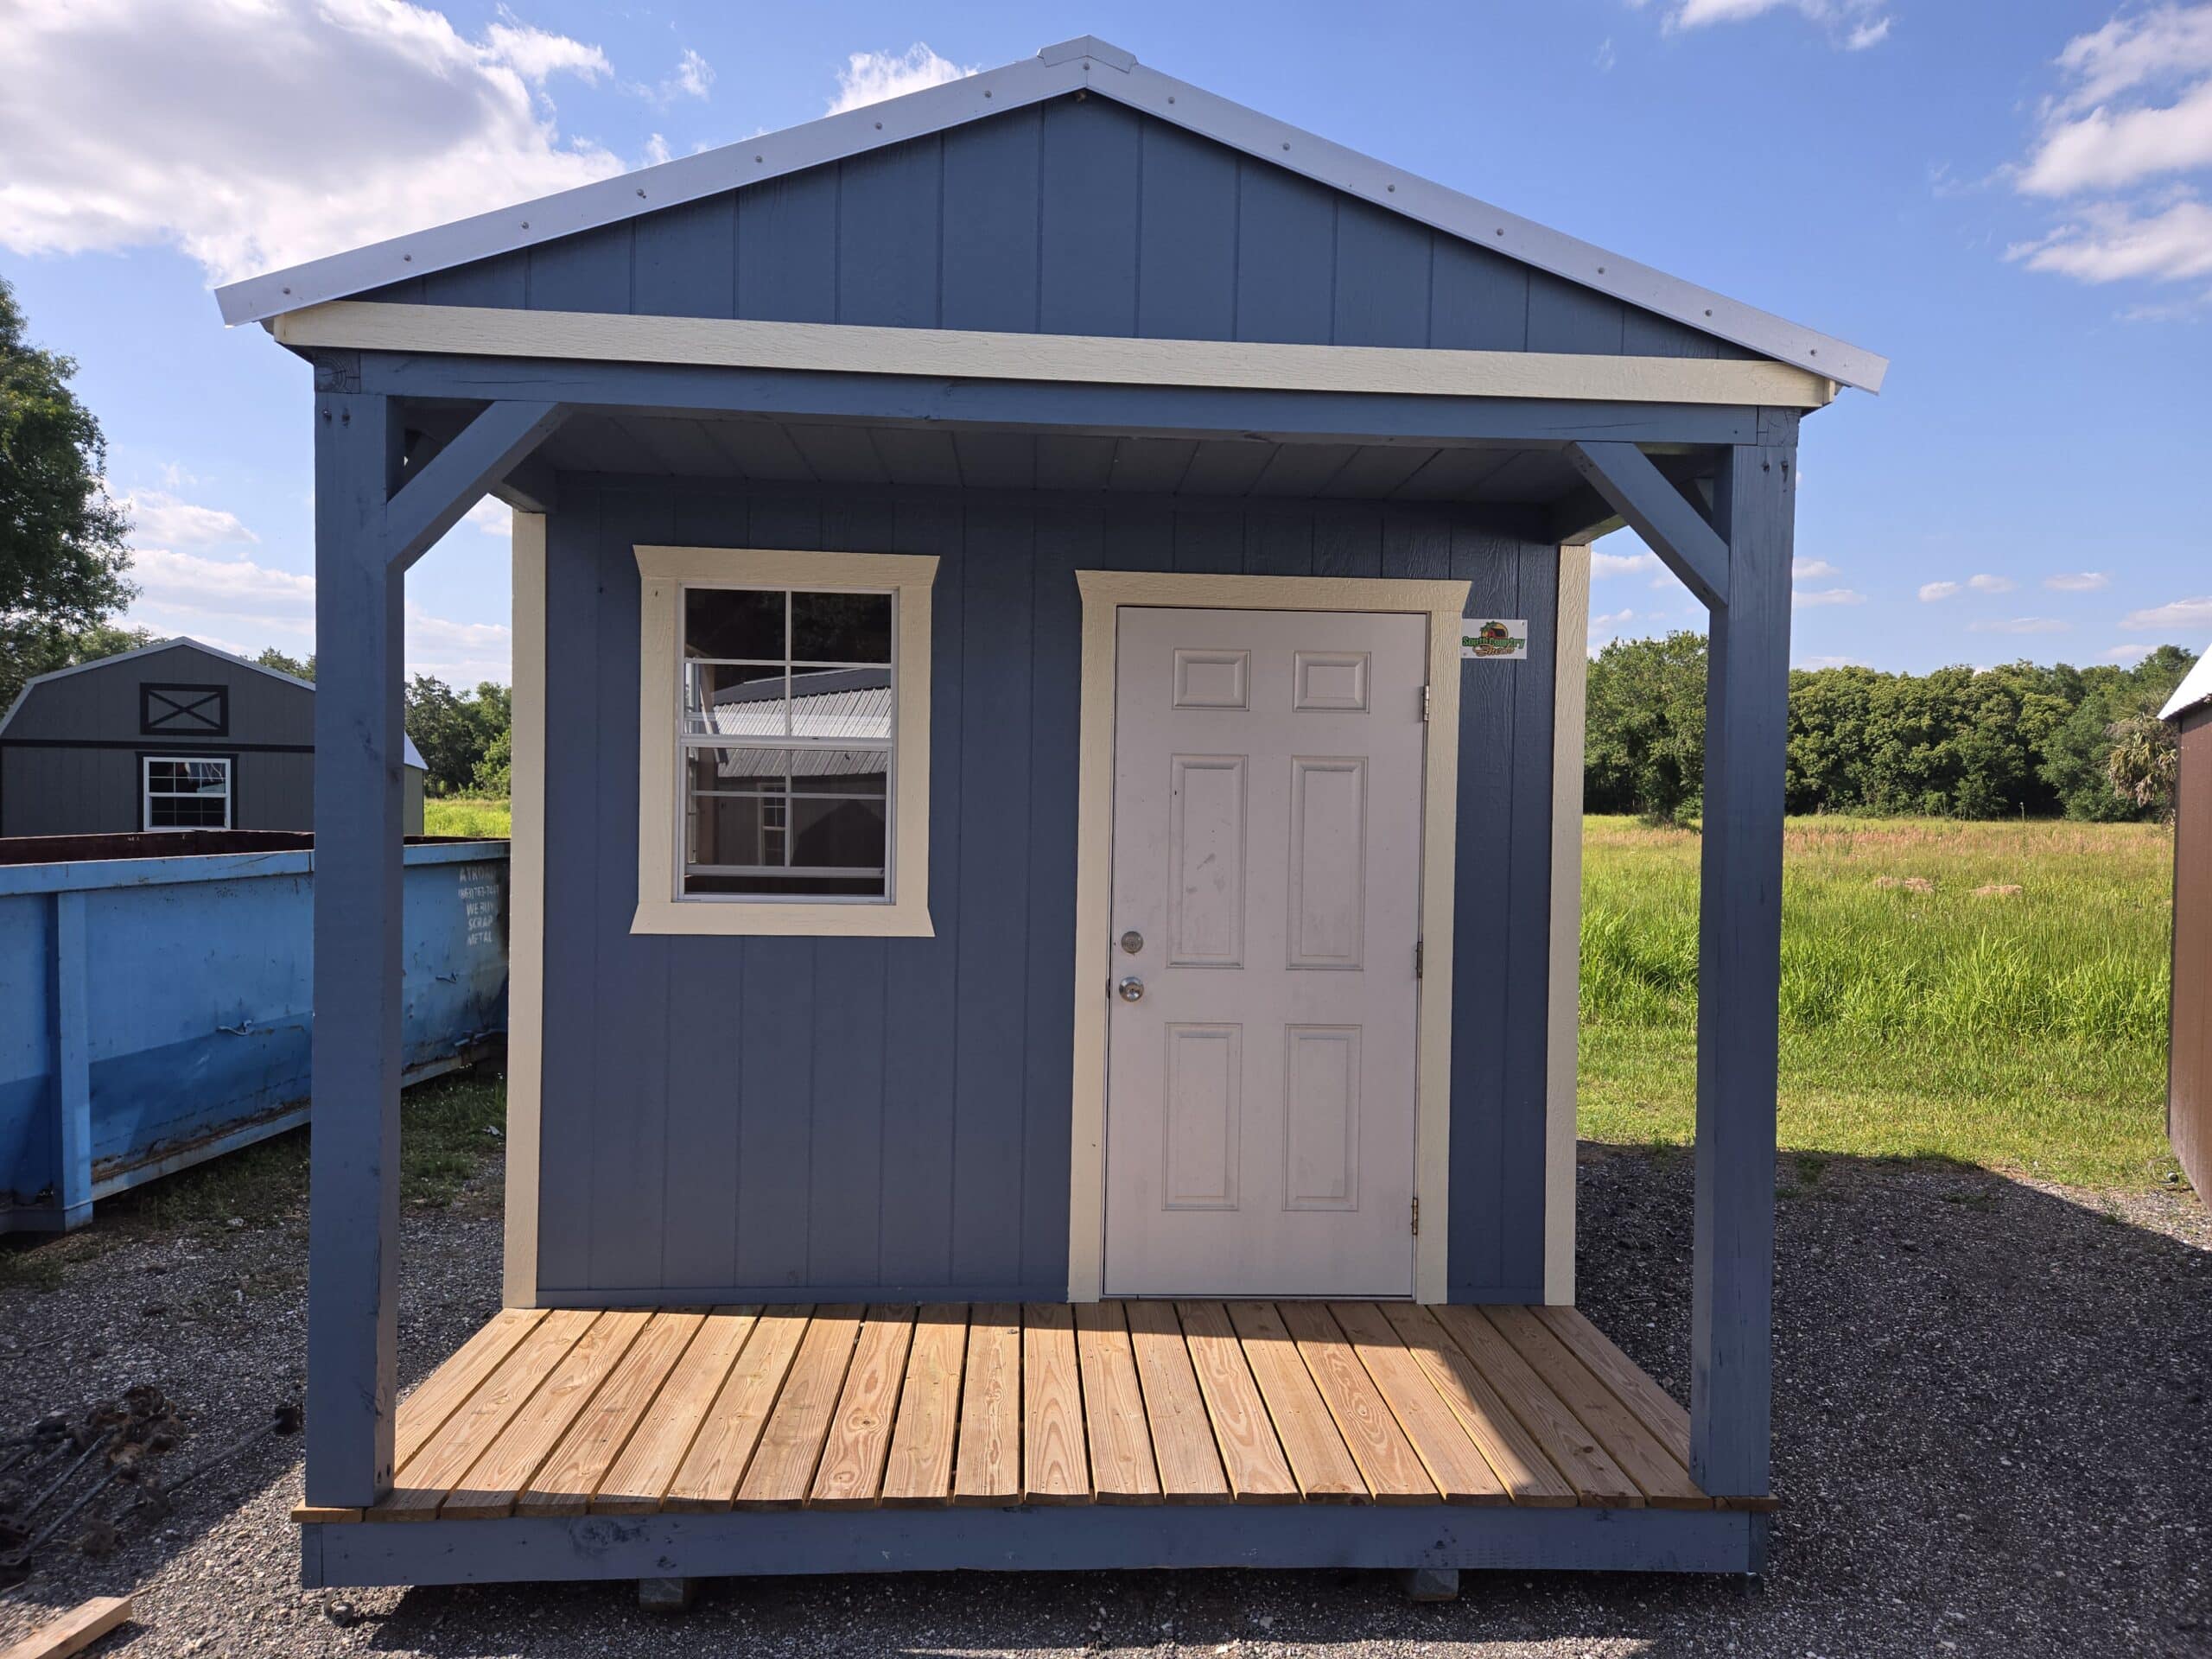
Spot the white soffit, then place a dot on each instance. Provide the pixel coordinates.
(2195, 688)
(1073, 65)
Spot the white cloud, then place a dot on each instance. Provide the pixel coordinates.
(1854, 25)
(186, 582)
(2103, 150)
(1605, 55)
(1932, 591)
(2111, 241)
(2192, 615)
(2079, 581)
(2128, 654)
(1621, 564)
(2019, 625)
(1802, 570)
(252, 134)
(871, 77)
(694, 78)
(1806, 598)
(491, 516)
(1831, 662)
(1988, 584)
(2149, 48)
(157, 515)
(460, 653)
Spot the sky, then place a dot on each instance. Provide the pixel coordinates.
(2011, 202)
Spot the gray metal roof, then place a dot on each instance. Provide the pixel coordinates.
(1085, 64)
(2195, 688)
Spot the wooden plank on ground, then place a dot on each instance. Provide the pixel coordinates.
(1119, 1439)
(707, 1478)
(566, 1481)
(791, 1444)
(989, 1468)
(75, 1631)
(496, 1478)
(422, 1413)
(1570, 1448)
(648, 1463)
(425, 1478)
(1189, 1464)
(1454, 1463)
(1386, 1459)
(1325, 1470)
(1511, 1450)
(851, 1470)
(1251, 1457)
(1655, 1408)
(920, 1470)
(1053, 1467)
(1667, 1484)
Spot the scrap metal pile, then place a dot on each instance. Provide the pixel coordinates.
(59, 1478)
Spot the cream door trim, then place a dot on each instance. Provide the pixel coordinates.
(1105, 592)
(1563, 1013)
(525, 915)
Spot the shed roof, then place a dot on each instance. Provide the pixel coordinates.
(413, 755)
(2195, 688)
(1086, 63)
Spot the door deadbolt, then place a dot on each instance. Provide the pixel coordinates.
(1132, 941)
(1131, 989)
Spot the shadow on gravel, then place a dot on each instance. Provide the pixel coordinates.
(1989, 1438)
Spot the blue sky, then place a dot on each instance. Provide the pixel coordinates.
(2006, 200)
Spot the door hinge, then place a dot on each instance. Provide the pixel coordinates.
(1418, 955)
(1416, 1218)
(1424, 705)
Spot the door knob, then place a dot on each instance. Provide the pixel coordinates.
(1131, 989)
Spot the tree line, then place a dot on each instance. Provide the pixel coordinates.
(2019, 738)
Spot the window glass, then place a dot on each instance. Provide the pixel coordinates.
(801, 806)
(187, 793)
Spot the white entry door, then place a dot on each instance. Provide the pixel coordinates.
(1265, 911)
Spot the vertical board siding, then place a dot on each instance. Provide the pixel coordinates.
(785, 1118)
(1078, 216)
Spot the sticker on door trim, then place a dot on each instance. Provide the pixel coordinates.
(1495, 637)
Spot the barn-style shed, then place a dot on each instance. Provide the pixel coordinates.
(1049, 621)
(2188, 1075)
(174, 736)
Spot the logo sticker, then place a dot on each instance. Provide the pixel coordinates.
(1490, 636)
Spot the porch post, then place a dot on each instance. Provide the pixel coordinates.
(1739, 967)
(354, 1222)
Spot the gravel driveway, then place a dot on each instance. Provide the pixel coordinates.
(1992, 1438)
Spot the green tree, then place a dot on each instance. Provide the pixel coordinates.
(299, 668)
(1645, 745)
(2077, 756)
(454, 731)
(62, 557)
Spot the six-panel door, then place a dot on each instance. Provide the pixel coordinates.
(1265, 911)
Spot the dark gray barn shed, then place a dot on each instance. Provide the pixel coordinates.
(1050, 620)
(174, 736)
(2188, 1075)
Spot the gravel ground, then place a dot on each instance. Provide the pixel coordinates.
(1991, 1438)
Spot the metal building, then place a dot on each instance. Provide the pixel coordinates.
(1049, 630)
(2188, 1076)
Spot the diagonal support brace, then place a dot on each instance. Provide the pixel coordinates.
(1657, 511)
(455, 480)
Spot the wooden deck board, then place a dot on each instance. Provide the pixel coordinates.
(1325, 1470)
(1455, 1465)
(989, 1468)
(641, 1475)
(1054, 1468)
(920, 1470)
(1122, 1466)
(1186, 1458)
(850, 1475)
(641, 1411)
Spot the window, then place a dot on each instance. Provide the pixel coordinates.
(784, 771)
(187, 792)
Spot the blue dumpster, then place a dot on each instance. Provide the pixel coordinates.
(155, 1009)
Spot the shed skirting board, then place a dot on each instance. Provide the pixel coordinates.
(745, 1544)
(526, 914)
(970, 354)
(1572, 669)
(1105, 592)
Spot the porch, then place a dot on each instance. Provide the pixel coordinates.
(636, 1442)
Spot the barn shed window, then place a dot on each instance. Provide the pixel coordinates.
(784, 775)
(187, 792)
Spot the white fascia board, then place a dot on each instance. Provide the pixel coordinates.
(2195, 688)
(1089, 63)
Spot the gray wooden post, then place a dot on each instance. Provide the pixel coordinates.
(354, 1222)
(1739, 967)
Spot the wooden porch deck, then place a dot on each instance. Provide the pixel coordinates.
(622, 1411)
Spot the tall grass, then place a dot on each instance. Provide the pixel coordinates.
(1924, 1008)
(456, 814)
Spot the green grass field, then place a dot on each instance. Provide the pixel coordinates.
(457, 814)
(1924, 1014)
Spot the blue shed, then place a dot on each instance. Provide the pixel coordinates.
(1049, 624)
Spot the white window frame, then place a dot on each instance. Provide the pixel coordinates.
(663, 574)
(146, 791)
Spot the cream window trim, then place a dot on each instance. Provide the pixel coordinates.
(1104, 592)
(663, 572)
